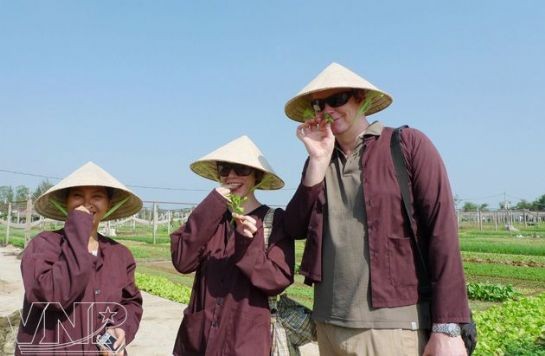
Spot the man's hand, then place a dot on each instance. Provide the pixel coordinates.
(319, 142)
(440, 344)
(318, 138)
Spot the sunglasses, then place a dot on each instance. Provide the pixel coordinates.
(334, 101)
(240, 169)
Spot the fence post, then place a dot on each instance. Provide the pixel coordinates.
(28, 219)
(9, 222)
(480, 219)
(154, 222)
(169, 215)
(496, 220)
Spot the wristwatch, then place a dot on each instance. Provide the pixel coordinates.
(450, 329)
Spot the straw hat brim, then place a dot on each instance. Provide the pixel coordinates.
(336, 76)
(240, 151)
(88, 175)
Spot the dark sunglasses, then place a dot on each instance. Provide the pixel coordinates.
(240, 169)
(334, 101)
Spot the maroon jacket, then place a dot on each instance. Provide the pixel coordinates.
(228, 313)
(392, 260)
(71, 295)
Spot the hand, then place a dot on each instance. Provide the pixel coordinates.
(83, 208)
(318, 138)
(246, 225)
(119, 345)
(224, 191)
(443, 345)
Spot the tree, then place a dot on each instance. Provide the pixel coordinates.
(21, 193)
(523, 204)
(41, 188)
(483, 207)
(6, 194)
(469, 206)
(539, 203)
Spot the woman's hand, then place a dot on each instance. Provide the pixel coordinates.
(245, 225)
(224, 191)
(119, 345)
(83, 208)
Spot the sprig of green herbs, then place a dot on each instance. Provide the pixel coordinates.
(235, 203)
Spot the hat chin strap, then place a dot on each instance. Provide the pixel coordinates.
(58, 205)
(115, 207)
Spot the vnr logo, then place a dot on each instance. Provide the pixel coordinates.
(81, 327)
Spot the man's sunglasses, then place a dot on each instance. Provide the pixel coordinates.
(240, 169)
(334, 101)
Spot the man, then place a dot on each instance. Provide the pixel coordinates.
(358, 253)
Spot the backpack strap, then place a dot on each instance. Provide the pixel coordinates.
(267, 226)
(267, 229)
(403, 181)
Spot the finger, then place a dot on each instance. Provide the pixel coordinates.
(247, 233)
(250, 219)
(83, 208)
(300, 132)
(248, 225)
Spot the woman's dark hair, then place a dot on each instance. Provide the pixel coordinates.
(259, 174)
(110, 192)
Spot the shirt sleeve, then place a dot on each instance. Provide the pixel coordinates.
(188, 243)
(271, 269)
(299, 209)
(56, 266)
(435, 211)
(131, 300)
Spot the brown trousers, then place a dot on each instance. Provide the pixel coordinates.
(335, 340)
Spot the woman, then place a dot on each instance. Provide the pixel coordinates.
(236, 272)
(80, 284)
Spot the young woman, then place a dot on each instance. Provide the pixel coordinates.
(79, 284)
(235, 271)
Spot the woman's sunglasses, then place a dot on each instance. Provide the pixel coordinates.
(334, 101)
(240, 169)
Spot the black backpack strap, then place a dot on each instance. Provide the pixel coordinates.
(403, 181)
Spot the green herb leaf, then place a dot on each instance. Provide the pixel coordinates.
(235, 203)
(308, 114)
(328, 118)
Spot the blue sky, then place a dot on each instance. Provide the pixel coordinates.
(144, 88)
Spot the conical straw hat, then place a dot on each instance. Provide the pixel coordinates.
(242, 151)
(88, 175)
(335, 76)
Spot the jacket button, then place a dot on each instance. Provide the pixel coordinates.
(97, 291)
(214, 324)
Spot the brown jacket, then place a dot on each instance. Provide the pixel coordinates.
(393, 273)
(228, 313)
(71, 295)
